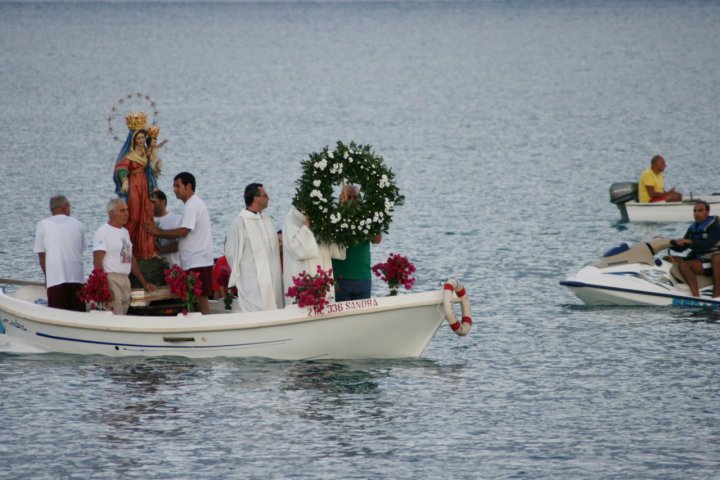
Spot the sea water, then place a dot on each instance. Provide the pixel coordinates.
(505, 123)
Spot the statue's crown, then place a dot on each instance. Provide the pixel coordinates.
(136, 121)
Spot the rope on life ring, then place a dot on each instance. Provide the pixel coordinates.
(451, 288)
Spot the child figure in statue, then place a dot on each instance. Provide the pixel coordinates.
(151, 148)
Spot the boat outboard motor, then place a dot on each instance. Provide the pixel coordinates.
(621, 192)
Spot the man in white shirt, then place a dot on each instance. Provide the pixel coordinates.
(59, 243)
(253, 253)
(112, 252)
(195, 246)
(165, 221)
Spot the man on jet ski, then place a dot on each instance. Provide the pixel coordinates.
(703, 240)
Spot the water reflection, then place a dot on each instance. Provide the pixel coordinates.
(342, 387)
(349, 387)
(620, 226)
(145, 393)
(333, 378)
(703, 315)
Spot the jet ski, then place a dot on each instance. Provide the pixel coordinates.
(638, 275)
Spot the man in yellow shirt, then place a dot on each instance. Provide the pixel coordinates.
(650, 185)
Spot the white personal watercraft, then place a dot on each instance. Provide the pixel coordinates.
(635, 276)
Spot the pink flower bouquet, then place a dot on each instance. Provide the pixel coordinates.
(311, 290)
(186, 286)
(96, 292)
(396, 271)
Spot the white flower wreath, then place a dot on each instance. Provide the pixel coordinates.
(350, 222)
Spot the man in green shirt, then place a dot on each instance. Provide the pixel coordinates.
(353, 276)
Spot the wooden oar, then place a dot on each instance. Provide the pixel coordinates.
(14, 281)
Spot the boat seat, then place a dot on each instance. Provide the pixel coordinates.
(703, 280)
(140, 297)
(639, 253)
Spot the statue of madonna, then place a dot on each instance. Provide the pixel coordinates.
(135, 181)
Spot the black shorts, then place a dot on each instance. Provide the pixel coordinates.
(205, 279)
(65, 296)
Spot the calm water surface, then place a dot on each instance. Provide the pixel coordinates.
(505, 123)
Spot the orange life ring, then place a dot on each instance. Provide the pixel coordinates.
(453, 288)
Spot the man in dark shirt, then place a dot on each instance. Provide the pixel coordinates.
(703, 240)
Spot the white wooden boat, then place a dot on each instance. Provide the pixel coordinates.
(667, 212)
(384, 327)
(624, 195)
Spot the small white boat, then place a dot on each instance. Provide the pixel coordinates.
(638, 276)
(384, 327)
(624, 195)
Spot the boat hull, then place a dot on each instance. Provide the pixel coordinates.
(390, 327)
(603, 295)
(667, 212)
(632, 285)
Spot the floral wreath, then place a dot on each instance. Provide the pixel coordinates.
(115, 110)
(352, 222)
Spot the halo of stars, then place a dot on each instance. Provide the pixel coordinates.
(116, 110)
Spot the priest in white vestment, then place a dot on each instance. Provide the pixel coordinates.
(253, 253)
(302, 253)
